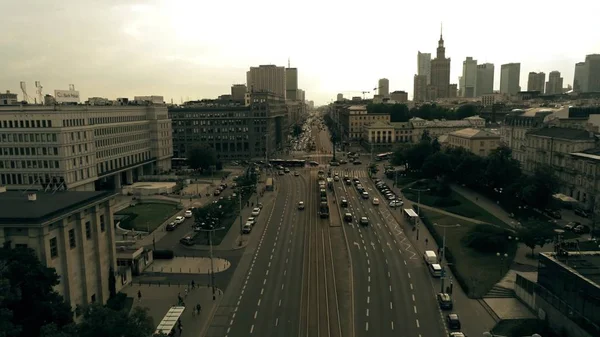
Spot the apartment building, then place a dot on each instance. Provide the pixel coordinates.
(517, 123)
(438, 128)
(71, 232)
(82, 147)
(236, 131)
(479, 142)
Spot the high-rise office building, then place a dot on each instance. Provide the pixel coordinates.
(424, 65)
(580, 80)
(469, 78)
(554, 86)
(340, 97)
(266, 78)
(536, 81)
(420, 88)
(485, 79)
(238, 92)
(291, 83)
(593, 72)
(383, 88)
(440, 71)
(510, 75)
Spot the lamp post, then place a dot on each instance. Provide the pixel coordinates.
(443, 253)
(419, 204)
(502, 257)
(212, 264)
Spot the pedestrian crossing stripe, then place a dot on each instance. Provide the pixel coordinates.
(351, 173)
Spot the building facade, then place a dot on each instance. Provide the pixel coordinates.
(437, 128)
(554, 86)
(468, 79)
(440, 72)
(383, 87)
(485, 79)
(580, 79)
(479, 142)
(399, 96)
(236, 131)
(72, 232)
(82, 147)
(420, 88)
(291, 83)
(510, 75)
(8, 98)
(354, 119)
(238, 92)
(536, 81)
(424, 66)
(270, 78)
(593, 72)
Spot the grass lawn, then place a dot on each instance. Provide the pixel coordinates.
(463, 207)
(522, 327)
(147, 216)
(479, 271)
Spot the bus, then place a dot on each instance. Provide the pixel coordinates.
(269, 184)
(411, 216)
(384, 156)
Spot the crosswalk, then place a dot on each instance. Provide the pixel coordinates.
(352, 173)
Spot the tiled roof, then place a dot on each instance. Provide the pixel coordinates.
(562, 133)
(474, 133)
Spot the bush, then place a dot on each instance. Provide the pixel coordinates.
(487, 239)
(163, 254)
(117, 302)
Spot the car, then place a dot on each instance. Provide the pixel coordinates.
(300, 205)
(246, 229)
(179, 219)
(356, 181)
(187, 241)
(582, 229)
(364, 221)
(343, 161)
(356, 162)
(217, 193)
(251, 220)
(296, 173)
(453, 321)
(334, 163)
(188, 214)
(377, 180)
(344, 202)
(391, 197)
(554, 213)
(348, 217)
(348, 182)
(396, 203)
(444, 301)
(375, 201)
(171, 226)
(313, 163)
(281, 173)
(255, 211)
(286, 170)
(365, 195)
(336, 178)
(571, 225)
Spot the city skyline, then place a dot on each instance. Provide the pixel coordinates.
(161, 48)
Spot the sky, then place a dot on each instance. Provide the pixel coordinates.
(192, 49)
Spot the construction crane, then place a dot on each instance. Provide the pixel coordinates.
(24, 90)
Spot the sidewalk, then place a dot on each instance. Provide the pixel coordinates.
(159, 299)
(484, 202)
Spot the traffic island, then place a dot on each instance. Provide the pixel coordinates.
(479, 255)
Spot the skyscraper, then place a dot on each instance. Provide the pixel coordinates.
(424, 65)
(485, 79)
(340, 97)
(593, 71)
(580, 80)
(510, 75)
(554, 85)
(291, 83)
(536, 81)
(269, 78)
(468, 78)
(420, 88)
(440, 71)
(383, 88)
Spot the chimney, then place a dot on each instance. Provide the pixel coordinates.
(31, 196)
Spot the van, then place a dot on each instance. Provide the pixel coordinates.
(435, 270)
(429, 257)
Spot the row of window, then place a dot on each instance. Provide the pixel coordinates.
(73, 239)
(35, 123)
(118, 163)
(120, 150)
(108, 131)
(28, 137)
(29, 164)
(28, 151)
(120, 140)
(73, 122)
(115, 119)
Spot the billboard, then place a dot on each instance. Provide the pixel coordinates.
(66, 96)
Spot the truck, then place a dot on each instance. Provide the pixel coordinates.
(323, 210)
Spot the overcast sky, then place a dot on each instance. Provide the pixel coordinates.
(198, 48)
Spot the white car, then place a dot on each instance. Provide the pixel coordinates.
(300, 205)
(375, 201)
(255, 211)
(179, 219)
(396, 203)
(188, 214)
(251, 221)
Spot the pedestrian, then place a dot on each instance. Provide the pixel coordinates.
(186, 292)
(198, 308)
(139, 295)
(193, 284)
(426, 241)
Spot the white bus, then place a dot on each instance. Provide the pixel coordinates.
(383, 156)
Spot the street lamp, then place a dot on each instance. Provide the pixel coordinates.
(419, 206)
(502, 257)
(212, 264)
(443, 254)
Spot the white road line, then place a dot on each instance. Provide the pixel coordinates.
(238, 303)
(267, 273)
(369, 270)
(276, 321)
(252, 328)
(389, 275)
(391, 305)
(369, 278)
(368, 262)
(265, 281)
(415, 307)
(367, 326)
(368, 289)
(368, 299)
(258, 304)
(255, 314)
(413, 296)
(269, 265)
(282, 286)
(411, 287)
(284, 272)
(242, 293)
(233, 316)
(393, 325)
(262, 291)
(405, 262)
(279, 302)
(408, 275)
(418, 326)
(228, 329)
(367, 312)
(390, 288)
(386, 261)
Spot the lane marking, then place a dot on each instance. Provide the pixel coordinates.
(258, 304)
(408, 275)
(415, 307)
(255, 314)
(276, 321)
(367, 312)
(367, 326)
(368, 289)
(368, 299)
(252, 328)
(413, 297)
(391, 305)
(411, 287)
(393, 326)
(262, 291)
(418, 326)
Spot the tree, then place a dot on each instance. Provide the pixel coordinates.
(465, 111)
(437, 165)
(201, 157)
(99, 321)
(435, 145)
(540, 187)
(399, 113)
(534, 234)
(28, 299)
(469, 169)
(417, 154)
(334, 140)
(425, 137)
(296, 130)
(399, 156)
(502, 170)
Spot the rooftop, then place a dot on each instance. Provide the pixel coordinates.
(15, 208)
(474, 134)
(586, 264)
(562, 133)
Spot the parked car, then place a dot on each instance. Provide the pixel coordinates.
(171, 226)
(187, 241)
(217, 193)
(375, 201)
(453, 321)
(365, 195)
(581, 212)
(255, 211)
(571, 225)
(188, 214)
(457, 334)
(251, 220)
(444, 301)
(344, 202)
(179, 219)
(582, 229)
(396, 203)
(246, 229)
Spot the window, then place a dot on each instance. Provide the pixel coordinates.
(53, 247)
(72, 242)
(88, 230)
(102, 225)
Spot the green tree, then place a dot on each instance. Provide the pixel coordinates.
(399, 156)
(334, 141)
(296, 130)
(466, 110)
(99, 321)
(469, 169)
(540, 187)
(201, 157)
(435, 145)
(502, 170)
(437, 165)
(399, 113)
(534, 234)
(425, 136)
(417, 154)
(28, 299)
